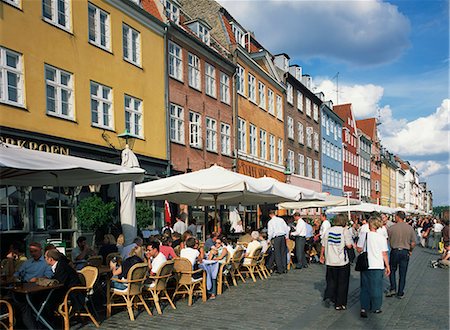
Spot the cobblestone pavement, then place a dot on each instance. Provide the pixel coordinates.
(294, 301)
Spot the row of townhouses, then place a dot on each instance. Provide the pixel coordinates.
(192, 87)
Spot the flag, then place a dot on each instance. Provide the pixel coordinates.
(167, 214)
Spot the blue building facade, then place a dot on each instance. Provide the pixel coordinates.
(332, 165)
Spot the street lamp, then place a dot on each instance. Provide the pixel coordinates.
(128, 138)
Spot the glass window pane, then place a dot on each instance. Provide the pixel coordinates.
(12, 60)
(51, 98)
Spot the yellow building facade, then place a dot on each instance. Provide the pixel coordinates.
(385, 185)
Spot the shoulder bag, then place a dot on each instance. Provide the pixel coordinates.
(362, 262)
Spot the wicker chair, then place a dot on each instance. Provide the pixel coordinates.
(262, 265)
(236, 265)
(9, 316)
(177, 249)
(252, 267)
(186, 284)
(221, 278)
(134, 285)
(290, 246)
(90, 275)
(159, 286)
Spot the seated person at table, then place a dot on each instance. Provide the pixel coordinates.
(81, 253)
(186, 235)
(109, 246)
(138, 241)
(176, 237)
(121, 271)
(166, 248)
(247, 238)
(211, 241)
(251, 247)
(14, 259)
(218, 252)
(34, 267)
(191, 253)
(264, 242)
(228, 244)
(155, 258)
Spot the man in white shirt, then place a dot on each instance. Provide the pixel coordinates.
(324, 226)
(278, 233)
(300, 240)
(190, 253)
(180, 226)
(155, 258)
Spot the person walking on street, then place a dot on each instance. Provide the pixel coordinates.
(300, 239)
(278, 233)
(371, 292)
(325, 225)
(180, 226)
(402, 239)
(334, 255)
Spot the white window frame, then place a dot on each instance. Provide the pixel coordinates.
(301, 133)
(176, 123)
(242, 135)
(194, 76)
(102, 102)
(211, 134)
(279, 107)
(59, 89)
(136, 112)
(172, 11)
(262, 144)
(210, 80)
(301, 164)
(240, 80)
(54, 12)
(175, 61)
(262, 95)
(309, 167)
(300, 101)
(271, 148)
(195, 129)
(132, 48)
(17, 72)
(309, 133)
(308, 107)
(225, 139)
(239, 34)
(253, 135)
(290, 162)
(323, 119)
(316, 112)
(271, 101)
(15, 3)
(251, 81)
(290, 93)
(316, 169)
(203, 33)
(290, 127)
(316, 141)
(280, 151)
(224, 88)
(97, 26)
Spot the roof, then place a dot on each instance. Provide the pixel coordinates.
(150, 7)
(343, 110)
(368, 126)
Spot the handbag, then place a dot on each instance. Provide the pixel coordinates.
(362, 262)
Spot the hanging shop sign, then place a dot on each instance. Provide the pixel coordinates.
(52, 148)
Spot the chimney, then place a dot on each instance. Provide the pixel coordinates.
(296, 71)
(282, 61)
(307, 81)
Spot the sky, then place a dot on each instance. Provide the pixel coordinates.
(390, 59)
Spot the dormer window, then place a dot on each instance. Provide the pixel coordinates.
(172, 11)
(201, 30)
(238, 34)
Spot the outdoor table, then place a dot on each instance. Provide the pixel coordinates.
(212, 268)
(31, 288)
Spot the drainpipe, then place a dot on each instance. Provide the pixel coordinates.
(235, 112)
(166, 100)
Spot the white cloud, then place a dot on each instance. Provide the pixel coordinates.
(430, 168)
(424, 136)
(368, 32)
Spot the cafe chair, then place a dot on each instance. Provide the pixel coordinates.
(177, 250)
(110, 256)
(186, 284)
(262, 265)
(134, 285)
(8, 316)
(252, 267)
(90, 275)
(221, 277)
(158, 287)
(290, 246)
(95, 261)
(236, 265)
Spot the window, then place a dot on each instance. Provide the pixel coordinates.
(279, 107)
(262, 95)
(12, 208)
(316, 169)
(224, 88)
(290, 93)
(290, 161)
(195, 130)
(225, 138)
(15, 3)
(242, 135)
(323, 119)
(194, 71)
(263, 144)
(271, 102)
(101, 106)
(99, 27)
(175, 61)
(324, 146)
(131, 45)
(240, 80)
(251, 88)
(271, 148)
(290, 127)
(280, 151)
(176, 123)
(309, 167)
(327, 127)
(308, 107)
(253, 148)
(210, 80)
(339, 132)
(309, 133)
(238, 34)
(316, 141)
(336, 128)
(203, 33)
(301, 133)
(316, 112)
(57, 12)
(301, 164)
(339, 154)
(133, 116)
(172, 12)
(59, 92)
(11, 77)
(300, 101)
(211, 134)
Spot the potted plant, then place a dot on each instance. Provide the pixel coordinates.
(144, 215)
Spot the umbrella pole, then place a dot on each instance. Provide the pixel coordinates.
(216, 229)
